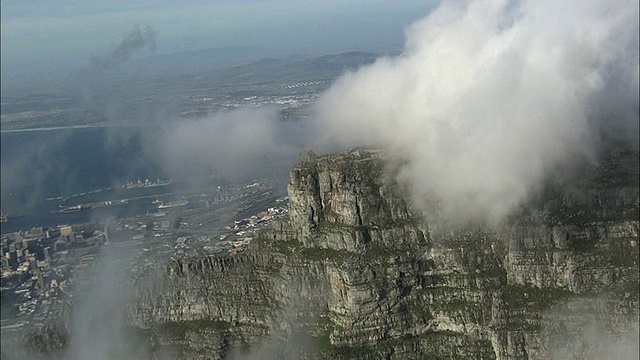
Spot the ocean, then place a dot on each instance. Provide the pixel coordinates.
(90, 163)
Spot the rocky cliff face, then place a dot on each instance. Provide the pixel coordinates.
(354, 273)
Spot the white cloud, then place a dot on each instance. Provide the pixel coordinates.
(239, 145)
(488, 95)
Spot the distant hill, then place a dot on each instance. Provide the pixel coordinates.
(240, 63)
(224, 56)
(296, 68)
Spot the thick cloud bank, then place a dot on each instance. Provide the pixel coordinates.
(488, 95)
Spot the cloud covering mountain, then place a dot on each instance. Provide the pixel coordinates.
(488, 96)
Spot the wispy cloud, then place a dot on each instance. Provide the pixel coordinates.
(240, 145)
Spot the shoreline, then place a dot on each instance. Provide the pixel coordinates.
(70, 127)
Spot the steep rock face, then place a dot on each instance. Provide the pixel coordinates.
(348, 190)
(190, 291)
(357, 273)
(546, 256)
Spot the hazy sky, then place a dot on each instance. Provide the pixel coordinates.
(62, 34)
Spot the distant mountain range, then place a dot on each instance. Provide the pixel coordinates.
(239, 60)
(225, 56)
(231, 56)
(301, 68)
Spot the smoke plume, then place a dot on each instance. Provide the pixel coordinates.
(132, 42)
(487, 96)
(91, 76)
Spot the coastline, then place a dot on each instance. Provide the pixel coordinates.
(69, 127)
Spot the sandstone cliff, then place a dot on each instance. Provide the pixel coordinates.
(355, 273)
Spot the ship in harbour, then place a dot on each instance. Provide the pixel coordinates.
(178, 203)
(71, 209)
(145, 184)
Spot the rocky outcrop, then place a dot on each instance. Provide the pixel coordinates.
(342, 201)
(354, 273)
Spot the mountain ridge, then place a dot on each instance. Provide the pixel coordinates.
(356, 270)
